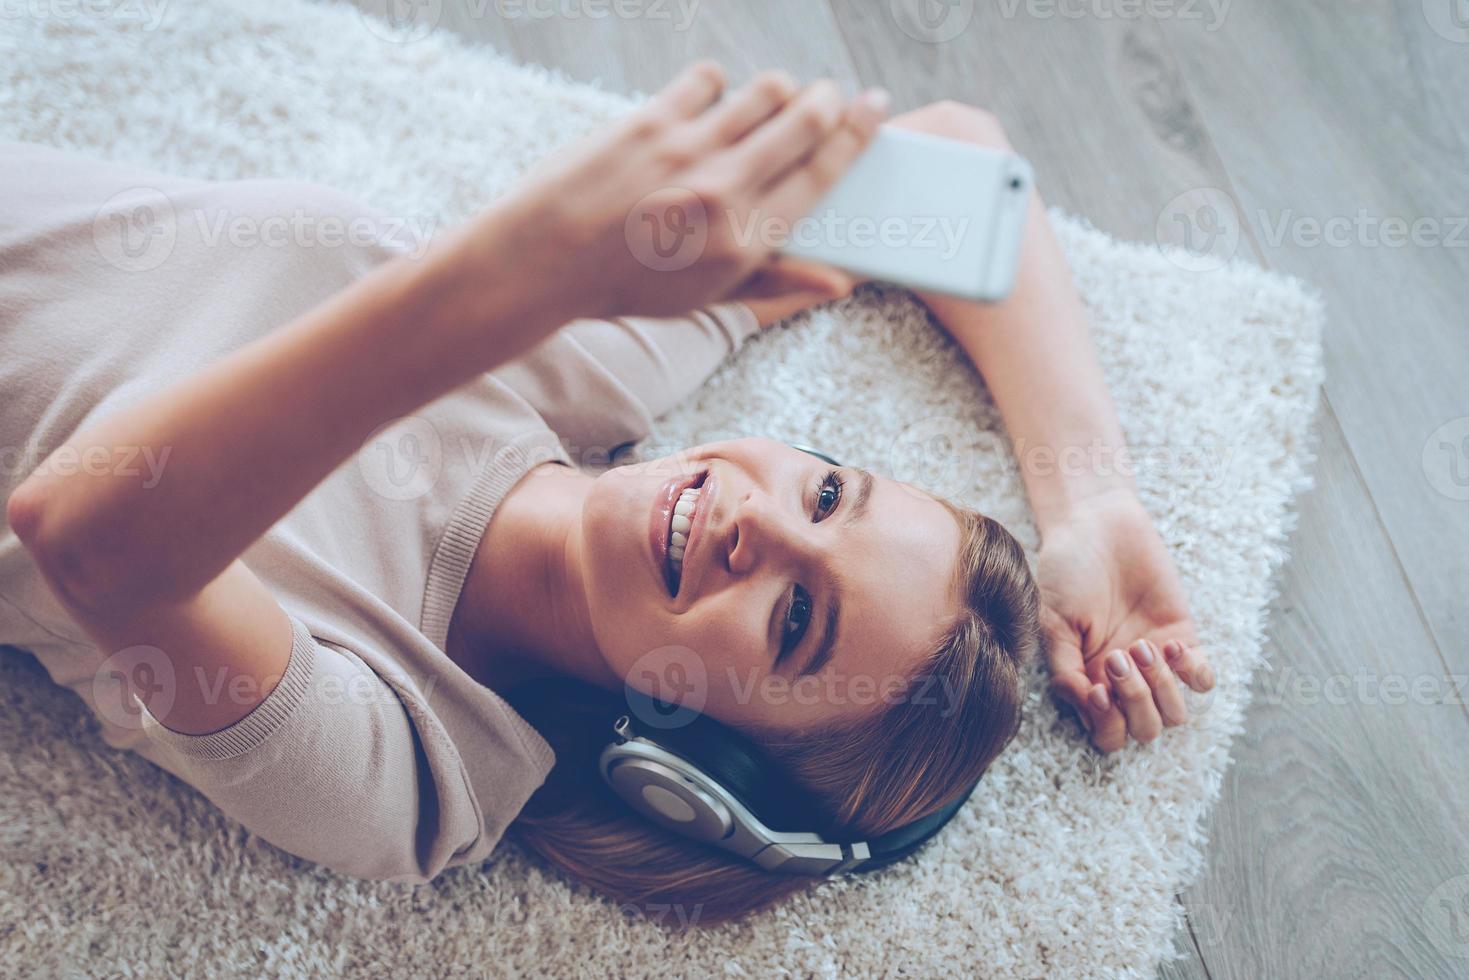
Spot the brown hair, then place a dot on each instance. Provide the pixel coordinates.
(894, 766)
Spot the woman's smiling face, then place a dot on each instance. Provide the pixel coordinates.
(791, 568)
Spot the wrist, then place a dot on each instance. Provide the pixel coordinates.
(1064, 478)
(496, 278)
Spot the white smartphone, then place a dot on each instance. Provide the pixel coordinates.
(925, 212)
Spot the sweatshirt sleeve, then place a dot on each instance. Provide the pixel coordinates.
(600, 383)
(330, 767)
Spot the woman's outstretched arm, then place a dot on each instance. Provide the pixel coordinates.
(248, 437)
(1112, 598)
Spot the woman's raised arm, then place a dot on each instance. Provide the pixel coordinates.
(250, 435)
(1117, 622)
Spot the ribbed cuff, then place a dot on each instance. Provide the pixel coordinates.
(260, 723)
(736, 320)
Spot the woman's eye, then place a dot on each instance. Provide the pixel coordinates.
(798, 617)
(828, 495)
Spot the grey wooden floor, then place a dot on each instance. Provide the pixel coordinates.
(1339, 848)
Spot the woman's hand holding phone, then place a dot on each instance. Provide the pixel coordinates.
(663, 211)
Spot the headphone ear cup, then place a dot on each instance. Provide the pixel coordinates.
(722, 754)
(739, 766)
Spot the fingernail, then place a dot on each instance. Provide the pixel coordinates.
(1143, 651)
(1206, 676)
(1098, 698)
(787, 81)
(1117, 663)
(877, 99)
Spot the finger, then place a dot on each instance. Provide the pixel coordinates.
(805, 184)
(1190, 665)
(1069, 678)
(1134, 696)
(1156, 673)
(773, 309)
(1072, 687)
(789, 135)
(691, 92)
(1109, 731)
(756, 101)
(804, 274)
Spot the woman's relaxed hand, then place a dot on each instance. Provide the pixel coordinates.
(1111, 599)
(677, 205)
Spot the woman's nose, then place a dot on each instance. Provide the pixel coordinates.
(764, 532)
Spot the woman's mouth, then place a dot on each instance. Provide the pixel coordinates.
(678, 534)
(674, 509)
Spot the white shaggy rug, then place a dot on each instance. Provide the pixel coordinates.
(1062, 864)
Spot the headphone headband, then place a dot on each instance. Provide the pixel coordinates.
(678, 794)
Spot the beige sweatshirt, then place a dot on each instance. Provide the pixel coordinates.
(375, 755)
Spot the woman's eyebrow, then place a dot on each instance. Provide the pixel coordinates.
(858, 510)
(831, 627)
(827, 646)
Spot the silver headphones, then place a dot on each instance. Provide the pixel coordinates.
(674, 791)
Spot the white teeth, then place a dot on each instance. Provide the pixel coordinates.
(683, 521)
